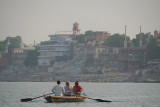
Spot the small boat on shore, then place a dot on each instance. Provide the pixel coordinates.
(51, 99)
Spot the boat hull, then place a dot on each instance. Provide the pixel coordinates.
(52, 99)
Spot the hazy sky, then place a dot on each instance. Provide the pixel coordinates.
(36, 19)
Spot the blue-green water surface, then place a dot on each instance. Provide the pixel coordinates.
(121, 94)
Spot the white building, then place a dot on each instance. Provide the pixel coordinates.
(56, 46)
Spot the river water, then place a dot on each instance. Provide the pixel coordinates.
(121, 94)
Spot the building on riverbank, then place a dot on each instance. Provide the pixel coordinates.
(131, 58)
(107, 59)
(58, 46)
(115, 59)
(4, 59)
(19, 54)
(97, 39)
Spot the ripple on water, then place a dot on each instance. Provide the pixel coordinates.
(122, 94)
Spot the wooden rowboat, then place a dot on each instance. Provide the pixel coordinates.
(52, 99)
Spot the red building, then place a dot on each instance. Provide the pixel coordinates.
(97, 40)
(4, 59)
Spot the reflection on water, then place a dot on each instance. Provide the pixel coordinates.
(122, 94)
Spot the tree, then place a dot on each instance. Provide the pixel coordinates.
(31, 58)
(2, 47)
(153, 50)
(91, 33)
(45, 43)
(80, 38)
(116, 40)
(14, 42)
(145, 40)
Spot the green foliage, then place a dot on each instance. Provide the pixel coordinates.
(48, 42)
(45, 42)
(2, 47)
(90, 33)
(31, 58)
(14, 42)
(145, 39)
(116, 40)
(153, 50)
(80, 38)
(135, 42)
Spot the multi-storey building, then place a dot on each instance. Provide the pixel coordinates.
(89, 53)
(57, 46)
(19, 54)
(97, 40)
(158, 39)
(107, 58)
(116, 59)
(4, 59)
(79, 52)
(131, 58)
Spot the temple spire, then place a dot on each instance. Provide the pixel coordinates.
(125, 41)
(140, 41)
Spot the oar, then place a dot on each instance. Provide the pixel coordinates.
(99, 100)
(30, 99)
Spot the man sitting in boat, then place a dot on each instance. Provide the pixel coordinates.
(77, 89)
(58, 89)
(68, 89)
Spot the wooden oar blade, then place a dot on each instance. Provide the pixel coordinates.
(30, 99)
(100, 100)
(26, 99)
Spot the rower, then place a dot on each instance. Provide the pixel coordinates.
(58, 89)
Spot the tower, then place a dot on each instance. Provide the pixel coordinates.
(156, 33)
(76, 29)
(140, 41)
(125, 41)
(8, 43)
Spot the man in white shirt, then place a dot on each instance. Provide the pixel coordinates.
(58, 89)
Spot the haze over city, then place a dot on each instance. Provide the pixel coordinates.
(35, 20)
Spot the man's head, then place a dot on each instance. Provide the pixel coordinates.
(58, 82)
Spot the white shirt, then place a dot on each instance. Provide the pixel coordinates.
(58, 90)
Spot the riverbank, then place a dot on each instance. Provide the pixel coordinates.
(31, 76)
